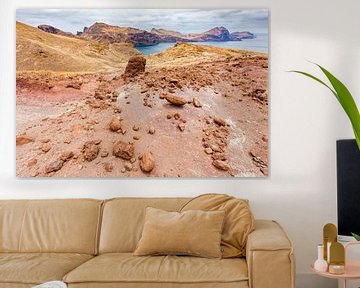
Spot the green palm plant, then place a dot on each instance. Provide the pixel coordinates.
(344, 97)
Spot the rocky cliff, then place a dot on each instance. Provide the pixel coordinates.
(113, 34)
(53, 30)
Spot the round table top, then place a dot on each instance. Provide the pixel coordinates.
(352, 271)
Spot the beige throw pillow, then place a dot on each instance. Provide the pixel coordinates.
(195, 233)
(238, 224)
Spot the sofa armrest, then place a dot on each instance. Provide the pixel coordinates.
(269, 255)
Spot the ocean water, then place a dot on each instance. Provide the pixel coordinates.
(258, 44)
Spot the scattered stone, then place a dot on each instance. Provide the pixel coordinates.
(136, 137)
(181, 126)
(264, 170)
(147, 162)
(177, 116)
(128, 166)
(75, 85)
(168, 116)
(115, 124)
(136, 65)
(32, 162)
(66, 156)
(67, 141)
(123, 150)
(133, 160)
(208, 150)
(104, 154)
(123, 170)
(222, 165)
(219, 120)
(151, 130)
(196, 103)
(23, 139)
(46, 140)
(175, 100)
(162, 95)
(54, 166)
(136, 128)
(215, 148)
(91, 150)
(108, 167)
(46, 147)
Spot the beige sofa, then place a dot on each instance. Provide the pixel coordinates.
(89, 243)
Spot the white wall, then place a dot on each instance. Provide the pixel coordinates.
(305, 120)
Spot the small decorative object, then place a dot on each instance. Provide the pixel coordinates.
(330, 236)
(320, 264)
(337, 258)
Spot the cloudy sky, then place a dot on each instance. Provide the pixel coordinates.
(182, 20)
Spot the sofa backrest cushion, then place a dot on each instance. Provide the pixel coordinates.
(123, 220)
(64, 226)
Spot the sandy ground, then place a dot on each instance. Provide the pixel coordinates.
(56, 116)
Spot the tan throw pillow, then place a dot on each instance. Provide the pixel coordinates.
(238, 224)
(195, 233)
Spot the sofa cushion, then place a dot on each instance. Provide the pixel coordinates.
(123, 220)
(35, 268)
(194, 232)
(239, 220)
(61, 226)
(127, 268)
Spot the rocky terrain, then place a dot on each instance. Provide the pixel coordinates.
(189, 111)
(108, 34)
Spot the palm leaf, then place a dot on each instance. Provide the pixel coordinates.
(344, 97)
(357, 237)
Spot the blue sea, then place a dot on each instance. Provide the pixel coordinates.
(258, 44)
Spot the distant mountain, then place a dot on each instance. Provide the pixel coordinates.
(113, 34)
(108, 34)
(215, 34)
(236, 36)
(53, 30)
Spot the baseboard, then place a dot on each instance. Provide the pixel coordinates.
(309, 280)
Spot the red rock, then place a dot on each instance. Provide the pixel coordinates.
(32, 162)
(108, 167)
(123, 150)
(175, 100)
(147, 162)
(54, 166)
(136, 65)
(46, 147)
(151, 130)
(67, 155)
(91, 150)
(219, 120)
(196, 103)
(115, 124)
(221, 165)
(181, 127)
(208, 150)
(23, 139)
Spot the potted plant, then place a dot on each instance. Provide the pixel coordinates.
(345, 99)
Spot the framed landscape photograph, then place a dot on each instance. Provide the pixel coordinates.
(142, 92)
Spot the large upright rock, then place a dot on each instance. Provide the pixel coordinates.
(135, 66)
